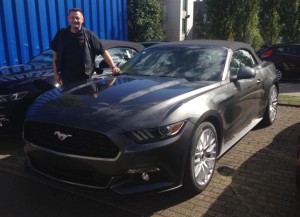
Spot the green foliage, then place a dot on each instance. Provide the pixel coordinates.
(270, 25)
(144, 20)
(290, 19)
(245, 22)
(234, 20)
(256, 22)
(289, 100)
(220, 17)
(201, 27)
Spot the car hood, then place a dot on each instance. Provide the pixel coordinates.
(21, 78)
(128, 102)
(20, 69)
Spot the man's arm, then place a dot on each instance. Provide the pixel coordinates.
(56, 75)
(106, 56)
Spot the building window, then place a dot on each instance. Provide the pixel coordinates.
(184, 26)
(184, 5)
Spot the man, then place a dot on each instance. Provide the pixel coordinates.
(74, 51)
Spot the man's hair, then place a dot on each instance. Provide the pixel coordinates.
(75, 10)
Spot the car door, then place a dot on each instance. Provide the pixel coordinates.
(287, 57)
(247, 95)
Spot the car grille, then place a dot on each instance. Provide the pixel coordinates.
(77, 141)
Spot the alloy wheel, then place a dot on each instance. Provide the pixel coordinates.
(273, 103)
(205, 156)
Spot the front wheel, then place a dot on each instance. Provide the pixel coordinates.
(271, 110)
(202, 158)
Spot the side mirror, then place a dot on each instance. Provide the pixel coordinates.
(246, 72)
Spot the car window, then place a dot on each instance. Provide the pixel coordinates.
(279, 49)
(120, 55)
(286, 49)
(297, 50)
(241, 58)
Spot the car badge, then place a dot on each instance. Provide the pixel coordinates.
(61, 136)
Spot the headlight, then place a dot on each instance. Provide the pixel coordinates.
(155, 134)
(13, 96)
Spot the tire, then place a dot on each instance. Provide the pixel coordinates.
(271, 109)
(201, 159)
(279, 75)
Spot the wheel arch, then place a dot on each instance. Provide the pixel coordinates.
(213, 118)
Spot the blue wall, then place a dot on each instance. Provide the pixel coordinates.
(28, 26)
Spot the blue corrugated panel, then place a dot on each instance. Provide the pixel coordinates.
(27, 27)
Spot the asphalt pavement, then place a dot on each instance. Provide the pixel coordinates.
(23, 197)
(289, 88)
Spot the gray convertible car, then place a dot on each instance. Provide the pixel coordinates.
(161, 124)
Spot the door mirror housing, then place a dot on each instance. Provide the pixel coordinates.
(246, 72)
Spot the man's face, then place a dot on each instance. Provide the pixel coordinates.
(75, 20)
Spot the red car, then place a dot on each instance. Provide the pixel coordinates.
(298, 166)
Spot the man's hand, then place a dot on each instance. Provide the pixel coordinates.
(116, 70)
(57, 78)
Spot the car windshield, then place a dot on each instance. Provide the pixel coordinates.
(119, 55)
(192, 63)
(44, 58)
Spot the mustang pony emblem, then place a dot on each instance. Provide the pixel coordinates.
(61, 136)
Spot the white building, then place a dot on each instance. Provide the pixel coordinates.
(178, 19)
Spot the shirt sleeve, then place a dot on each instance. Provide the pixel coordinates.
(97, 45)
(54, 42)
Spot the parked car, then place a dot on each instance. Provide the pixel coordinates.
(298, 166)
(163, 123)
(20, 85)
(286, 58)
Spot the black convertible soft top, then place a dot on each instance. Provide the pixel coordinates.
(116, 43)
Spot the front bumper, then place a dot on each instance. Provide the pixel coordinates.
(12, 116)
(156, 166)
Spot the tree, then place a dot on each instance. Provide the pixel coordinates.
(200, 26)
(234, 20)
(145, 20)
(220, 18)
(270, 25)
(290, 19)
(246, 23)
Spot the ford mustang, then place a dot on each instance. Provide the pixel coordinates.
(159, 125)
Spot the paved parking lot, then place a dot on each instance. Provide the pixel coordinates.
(256, 178)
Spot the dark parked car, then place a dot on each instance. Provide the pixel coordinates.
(286, 58)
(162, 123)
(20, 85)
